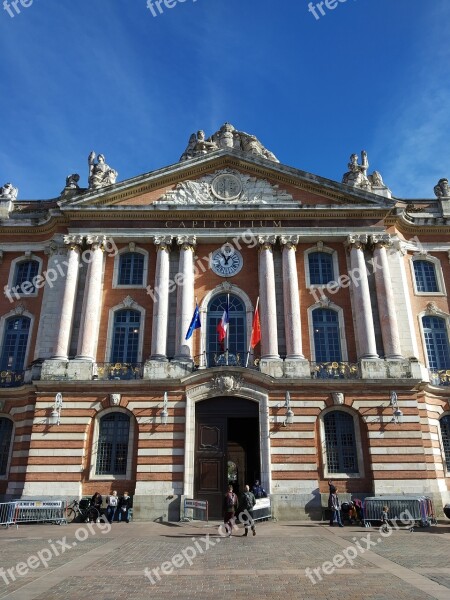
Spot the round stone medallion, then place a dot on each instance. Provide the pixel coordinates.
(226, 187)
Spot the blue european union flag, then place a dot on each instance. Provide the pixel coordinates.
(195, 323)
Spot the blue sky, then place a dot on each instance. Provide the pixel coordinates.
(106, 75)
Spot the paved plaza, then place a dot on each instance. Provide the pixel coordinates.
(192, 560)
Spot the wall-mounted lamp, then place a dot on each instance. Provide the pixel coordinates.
(289, 414)
(55, 417)
(165, 413)
(397, 413)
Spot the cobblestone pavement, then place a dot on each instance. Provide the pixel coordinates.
(142, 560)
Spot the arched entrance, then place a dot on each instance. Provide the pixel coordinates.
(227, 448)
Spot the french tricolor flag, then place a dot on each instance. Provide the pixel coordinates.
(222, 327)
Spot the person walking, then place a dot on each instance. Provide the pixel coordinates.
(334, 505)
(125, 503)
(111, 506)
(247, 502)
(230, 506)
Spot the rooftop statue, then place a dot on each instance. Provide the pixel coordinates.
(442, 189)
(357, 176)
(8, 192)
(226, 137)
(100, 174)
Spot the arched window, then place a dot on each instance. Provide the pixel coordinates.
(113, 438)
(445, 434)
(340, 442)
(425, 274)
(26, 271)
(131, 268)
(6, 428)
(327, 342)
(320, 268)
(125, 345)
(436, 341)
(14, 344)
(237, 335)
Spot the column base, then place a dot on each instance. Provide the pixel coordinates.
(81, 370)
(157, 369)
(272, 367)
(297, 368)
(54, 369)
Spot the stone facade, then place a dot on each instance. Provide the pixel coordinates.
(274, 216)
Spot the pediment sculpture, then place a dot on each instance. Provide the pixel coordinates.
(226, 186)
(357, 176)
(226, 137)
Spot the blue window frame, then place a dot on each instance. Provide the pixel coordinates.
(14, 344)
(436, 341)
(327, 340)
(112, 451)
(237, 328)
(125, 346)
(445, 434)
(131, 268)
(340, 442)
(320, 268)
(26, 271)
(425, 274)
(6, 428)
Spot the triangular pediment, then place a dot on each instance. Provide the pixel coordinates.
(226, 178)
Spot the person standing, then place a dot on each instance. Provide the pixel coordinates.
(96, 502)
(247, 503)
(111, 506)
(230, 506)
(258, 491)
(334, 505)
(125, 503)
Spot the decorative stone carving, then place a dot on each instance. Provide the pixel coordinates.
(359, 240)
(324, 301)
(19, 309)
(289, 241)
(72, 182)
(8, 192)
(114, 399)
(163, 242)
(128, 302)
(187, 242)
(226, 137)
(357, 176)
(73, 240)
(227, 383)
(382, 239)
(100, 174)
(338, 397)
(432, 308)
(442, 189)
(226, 186)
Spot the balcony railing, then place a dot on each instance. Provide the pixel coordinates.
(335, 370)
(441, 377)
(208, 360)
(11, 378)
(121, 371)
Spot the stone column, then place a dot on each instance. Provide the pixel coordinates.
(64, 326)
(361, 297)
(267, 299)
(185, 297)
(385, 297)
(161, 299)
(92, 302)
(291, 298)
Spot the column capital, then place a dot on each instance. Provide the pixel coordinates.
(357, 240)
(163, 242)
(289, 242)
(187, 242)
(266, 242)
(381, 240)
(96, 241)
(73, 241)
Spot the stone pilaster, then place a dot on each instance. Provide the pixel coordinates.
(361, 297)
(161, 299)
(385, 298)
(92, 303)
(185, 297)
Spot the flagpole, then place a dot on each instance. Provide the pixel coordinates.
(251, 335)
(227, 340)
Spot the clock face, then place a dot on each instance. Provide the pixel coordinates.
(226, 261)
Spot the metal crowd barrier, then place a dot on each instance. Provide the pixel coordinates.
(37, 511)
(7, 513)
(415, 508)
